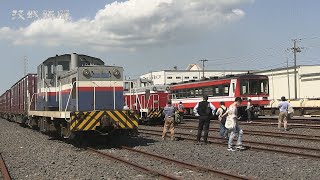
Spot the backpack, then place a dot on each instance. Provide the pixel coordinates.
(224, 110)
(180, 108)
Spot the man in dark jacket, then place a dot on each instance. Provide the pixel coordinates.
(204, 110)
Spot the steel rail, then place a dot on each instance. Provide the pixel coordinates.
(192, 166)
(257, 123)
(291, 124)
(270, 134)
(250, 147)
(254, 142)
(4, 170)
(137, 166)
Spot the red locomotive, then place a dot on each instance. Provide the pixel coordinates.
(246, 86)
(147, 99)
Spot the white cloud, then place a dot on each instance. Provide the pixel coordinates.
(132, 24)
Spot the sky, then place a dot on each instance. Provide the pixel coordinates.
(152, 35)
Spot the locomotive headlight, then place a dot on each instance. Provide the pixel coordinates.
(116, 73)
(86, 73)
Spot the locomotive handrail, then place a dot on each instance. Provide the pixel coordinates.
(153, 95)
(94, 94)
(94, 97)
(35, 104)
(65, 110)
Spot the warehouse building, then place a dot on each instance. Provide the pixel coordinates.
(192, 72)
(281, 82)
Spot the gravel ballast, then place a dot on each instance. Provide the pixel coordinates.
(32, 155)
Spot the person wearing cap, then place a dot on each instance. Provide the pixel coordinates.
(204, 110)
(283, 113)
(168, 112)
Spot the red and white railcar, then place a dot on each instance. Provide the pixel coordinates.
(246, 86)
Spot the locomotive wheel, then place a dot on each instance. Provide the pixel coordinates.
(67, 133)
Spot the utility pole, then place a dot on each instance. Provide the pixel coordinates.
(288, 78)
(203, 60)
(295, 49)
(25, 65)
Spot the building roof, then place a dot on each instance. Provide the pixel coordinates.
(192, 67)
(279, 69)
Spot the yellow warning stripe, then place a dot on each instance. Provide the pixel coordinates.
(124, 119)
(93, 121)
(84, 121)
(88, 118)
(115, 119)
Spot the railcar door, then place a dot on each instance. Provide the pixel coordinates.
(232, 88)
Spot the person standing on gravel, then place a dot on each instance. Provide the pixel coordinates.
(222, 116)
(233, 116)
(249, 111)
(283, 115)
(204, 110)
(181, 111)
(168, 112)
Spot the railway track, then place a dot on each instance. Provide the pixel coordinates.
(4, 171)
(216, 173)
(314, 121)
(137, 166)
(266, 133)
(303, 121)
(253, 145)
(264, 123)
(295, 125)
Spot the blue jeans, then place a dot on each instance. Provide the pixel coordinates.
(233, 133)
(223, 130)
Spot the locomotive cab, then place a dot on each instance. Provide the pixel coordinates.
(78, 83)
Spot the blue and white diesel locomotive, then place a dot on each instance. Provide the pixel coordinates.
(78, 94)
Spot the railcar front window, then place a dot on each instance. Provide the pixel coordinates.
(254, 87)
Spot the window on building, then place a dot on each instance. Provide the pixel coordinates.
(195, 77)
(178, 77)
(169, 77)
(186, 77)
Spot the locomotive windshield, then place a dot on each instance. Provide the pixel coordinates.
(254, 86)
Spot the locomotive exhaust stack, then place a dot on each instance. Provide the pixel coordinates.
(74, 61)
